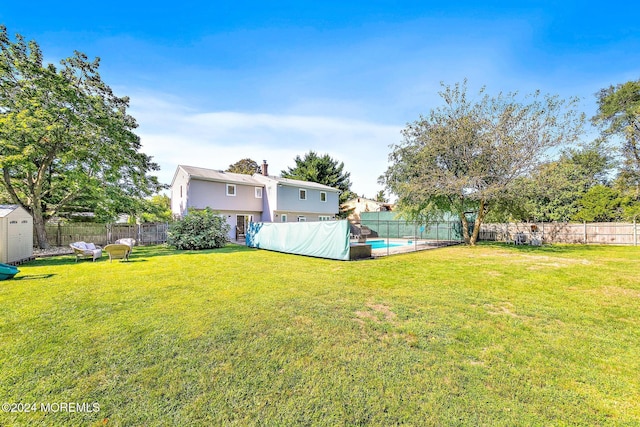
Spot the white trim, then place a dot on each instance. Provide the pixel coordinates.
(300, 190)
(258, 192)
(231, 194)
(302, 218)
(324, 218)
(283, 218)
(325, 196)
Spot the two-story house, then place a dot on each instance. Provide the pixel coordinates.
(246, 198)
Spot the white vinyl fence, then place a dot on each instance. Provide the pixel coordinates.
(603, 233)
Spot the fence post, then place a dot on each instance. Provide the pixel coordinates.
(388, 233)
(584, 223)
(635, 232)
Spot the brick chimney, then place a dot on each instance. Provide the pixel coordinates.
(265, 168)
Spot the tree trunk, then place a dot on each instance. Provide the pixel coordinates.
(465, 228)
(478, 222)
(41, 232)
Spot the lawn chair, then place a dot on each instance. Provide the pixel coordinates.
(118, 251)
(128, 241)
(536, 236)
(86, 250)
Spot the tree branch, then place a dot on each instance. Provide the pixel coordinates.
(12, 192)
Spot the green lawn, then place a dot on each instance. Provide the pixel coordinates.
(491, 335)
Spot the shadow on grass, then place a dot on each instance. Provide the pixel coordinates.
(139, 254)
(229, 249)
(34, 277)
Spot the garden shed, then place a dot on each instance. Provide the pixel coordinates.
(16, 234)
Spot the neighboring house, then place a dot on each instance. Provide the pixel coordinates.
(360, 205)
(251, 198)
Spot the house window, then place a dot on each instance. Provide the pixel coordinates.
(323, 196)
(302, 218)
(231, 190)
(303, 194)
(258, 192)
(283, 218)
(324, 218)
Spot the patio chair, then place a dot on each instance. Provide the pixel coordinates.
(127, 241)
(118, 251)
(86, 250)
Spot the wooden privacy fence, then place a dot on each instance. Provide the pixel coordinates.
(603, 233)
(103, 234)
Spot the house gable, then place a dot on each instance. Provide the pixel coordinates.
(198, 188)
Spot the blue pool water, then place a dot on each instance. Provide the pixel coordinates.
(382, 244)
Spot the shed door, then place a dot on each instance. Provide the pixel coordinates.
(20, 239)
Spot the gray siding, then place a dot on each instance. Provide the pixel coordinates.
(204, 194)
(269, 203)
(293, 216)
(289, 200)
(179, 193)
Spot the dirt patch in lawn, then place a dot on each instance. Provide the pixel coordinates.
(376, 313)
(505, 308)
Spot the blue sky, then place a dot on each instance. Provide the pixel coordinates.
(214, 82)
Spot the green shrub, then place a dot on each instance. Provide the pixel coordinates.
(199, 230)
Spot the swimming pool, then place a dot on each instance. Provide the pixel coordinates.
(382, 244)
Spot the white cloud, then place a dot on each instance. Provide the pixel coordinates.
(174, 134)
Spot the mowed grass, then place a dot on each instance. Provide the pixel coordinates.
(491, 335)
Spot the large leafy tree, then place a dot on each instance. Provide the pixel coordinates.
(245, 166)
(65, 139)
(553, 192)
(466, 156)
(323, 170)
(619, 116)
(157, 209)
(4, 196)
(600, 204)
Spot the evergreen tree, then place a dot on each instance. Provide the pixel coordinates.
(323, 170)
